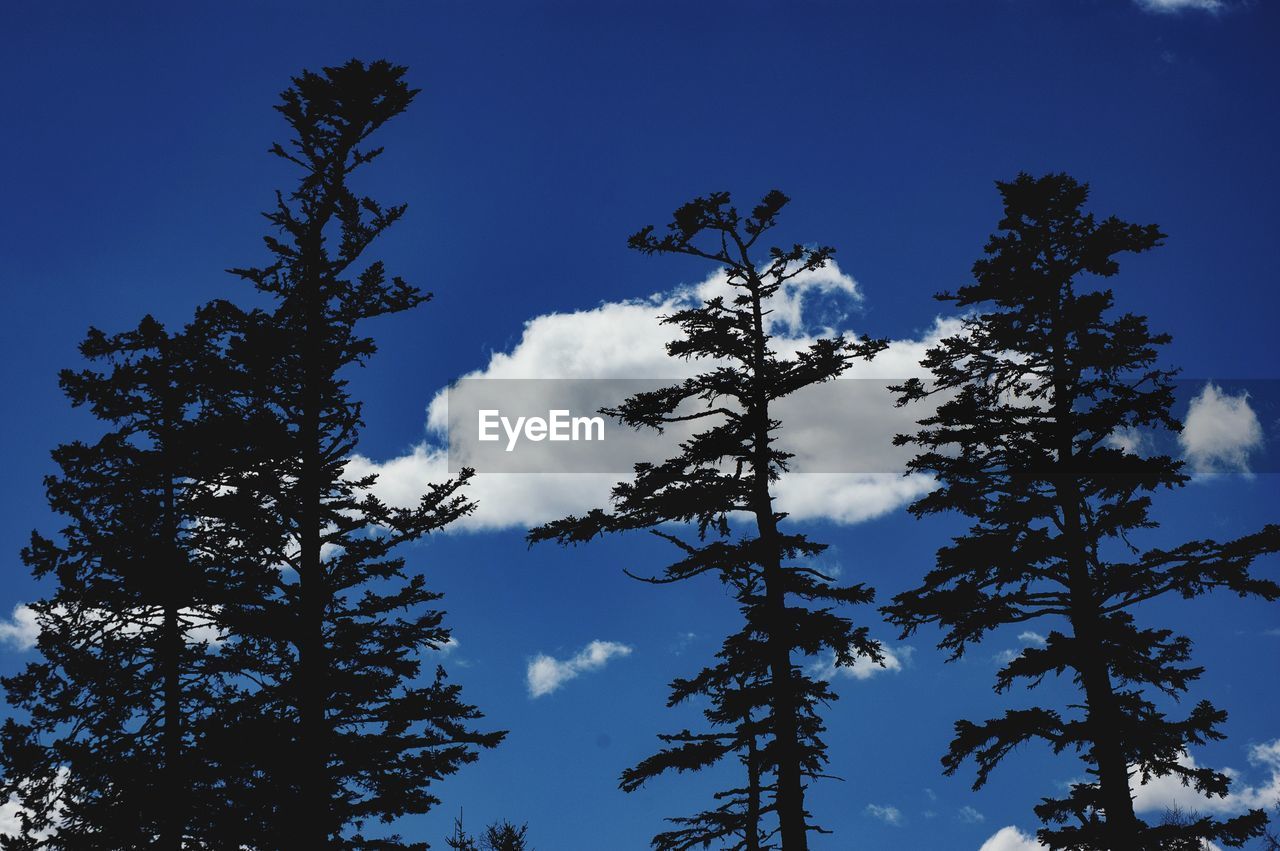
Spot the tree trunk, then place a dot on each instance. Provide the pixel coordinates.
(751, 839)
(313, 817)
(174, 794)
(789, 795)
(1102, 717)
(790, 792)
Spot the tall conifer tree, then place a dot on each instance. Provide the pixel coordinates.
(1043, 378)
(345, 734)
(110, 754)
(788, 606)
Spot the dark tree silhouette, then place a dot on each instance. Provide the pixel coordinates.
(505, 836)
(731, 467)
(498, 836)
(108, 756)
(740, 820)
(1271, 842)
(460, 840)
(332, 718)
(735, 690)
(1032, 393)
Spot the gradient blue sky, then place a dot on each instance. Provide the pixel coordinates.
(135, 165)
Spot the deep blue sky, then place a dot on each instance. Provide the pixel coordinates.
(134, 152)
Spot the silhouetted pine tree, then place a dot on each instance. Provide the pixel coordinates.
(498, 836)
(505, 836)
(735, 690)
(740, 820)
(109, 756)
(1271, 842)
(333, 720)
(460, 840)
(731, 467)
(1032, 394)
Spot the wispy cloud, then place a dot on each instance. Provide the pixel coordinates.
(1028, 638)
(448, 647)
(885, 813)
(683, 642)
(1173, 7)
(969, 815)
(545, 673)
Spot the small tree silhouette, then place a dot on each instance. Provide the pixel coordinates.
(505, 836)
(460, 840)
(787, 605)
(1033, 390)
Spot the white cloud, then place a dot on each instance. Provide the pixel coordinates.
(545, 673)
(683, 641)
(1011, 839)
(624, 340)
(1174, 6)
(1028, 638)
(1034, 639)
(1220, 432)
(21, 629)
(969, 815)
(886, 814)
(1130, 441)
(11, 812)
(862, 668)
(1167, 793)
(848, 497)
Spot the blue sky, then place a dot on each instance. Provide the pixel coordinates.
(544, 135)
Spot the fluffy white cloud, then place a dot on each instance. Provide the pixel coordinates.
(624, 340)
(847, 497)
(886, 814)
(1167, 793)
(10, 813)
(1011, 839)
(862, 668)
(545, 673)
(1173, 6)
(21, 629)
(1220, 432)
